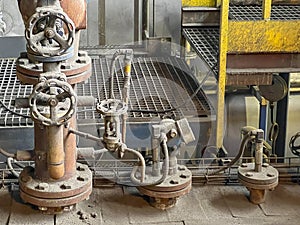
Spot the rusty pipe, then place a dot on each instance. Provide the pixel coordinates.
(56, 154)
(76, 10)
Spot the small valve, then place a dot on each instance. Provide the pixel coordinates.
(258, 176)
(112, 109)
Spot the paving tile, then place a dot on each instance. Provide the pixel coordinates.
(238, 203)
(225, 221)
(24, 214)
(280, 220)
(113, 206)
(207, 191)
(86, 212)
(141, 212)
(187, 207)
(163, 223)
(283, 201)
(5, 205)
(212, 201)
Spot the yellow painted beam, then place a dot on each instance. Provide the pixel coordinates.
(264, 36)
(267, 6)
(203, 3)
(222, 73)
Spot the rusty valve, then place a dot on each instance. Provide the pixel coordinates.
(59, 96)
(112, 109)
(49, 32)
(258, 176)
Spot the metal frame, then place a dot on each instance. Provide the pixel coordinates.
(235, 58)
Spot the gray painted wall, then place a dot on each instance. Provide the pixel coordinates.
(119, 20)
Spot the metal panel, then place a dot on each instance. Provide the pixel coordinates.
(168, 19)
(198, 3)
(200, 16)
(264, 36)
(119, 21)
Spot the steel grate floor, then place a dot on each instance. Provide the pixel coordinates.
(254, 12)
(157, 84)
(205, 41)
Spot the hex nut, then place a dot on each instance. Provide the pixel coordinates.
(249, 174)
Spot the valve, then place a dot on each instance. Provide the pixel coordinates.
(258, 176)
(56, 94)
(50, 32)
(112, 109)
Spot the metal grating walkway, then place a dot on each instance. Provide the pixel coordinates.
(205, 41)
(254, 12)
(157, 84)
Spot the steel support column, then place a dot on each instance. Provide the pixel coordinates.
(223, 44)
(281, 118)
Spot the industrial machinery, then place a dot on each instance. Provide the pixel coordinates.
(257, 176)
(132, 93)
(54, 66)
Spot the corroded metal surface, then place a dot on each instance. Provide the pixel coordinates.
(248, 78)
(263, 36)
(76, 71)
(165, 195)
(258, 182)
(198, 3)
(76, 10)
(62, 193)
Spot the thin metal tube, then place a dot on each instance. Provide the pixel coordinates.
(165, 169)
(85, 135)
(7, 154)
(12, 170)
(244, 142)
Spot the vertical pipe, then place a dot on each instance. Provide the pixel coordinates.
(56, 154)
(126, 88)
(259, 145)
(155, 145)
(263, 116)
(70, 149)
(223, 45)
(267, 7)
(145, 19)
(40, 151)
(187, 52)
(136, 20)
(102, 39)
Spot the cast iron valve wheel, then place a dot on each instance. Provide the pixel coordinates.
(42, 95)
(112, 107)
(50, 32)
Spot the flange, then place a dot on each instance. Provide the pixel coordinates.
(55, 196)
(165, 195)
(258, 182)
(77, 71)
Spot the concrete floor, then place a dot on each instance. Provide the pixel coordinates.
(209, 205)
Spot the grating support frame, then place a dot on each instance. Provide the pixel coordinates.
(157, 84)
(254, 12)
(205, 41)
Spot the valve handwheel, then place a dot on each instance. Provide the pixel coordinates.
(43, 94)
(112, 107)
(50, 32)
